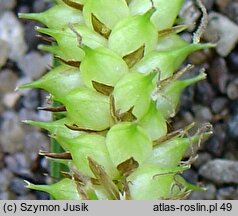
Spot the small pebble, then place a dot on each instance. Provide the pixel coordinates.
(18, 164)
(34, 142)
(214, 146)
(227, 193)
(229, 8)
(219, 104)
(202, 113)
(232, 90)
(203, 157)
(39, 6)
(1, 106)
(233, 11)
(187, 118)
(8, 81)
(208, 194)
(11, 133)
(216, 143)
(5, 177)
(191, 176)
(189, 13)
(44, 163)
(28, 114)
(217, 32)
(12, 33)
(4, 52)
(204, 92)
(232, 127)
(222, 4)
(233, 107)
(30, 33)
(6, 196)
(31, 100)
(29, 196)
(42, 195)
(187, 98)
(18, 186)
(233, 62)
(10, 99)
(1, 156)
(7, 5)
(21, 81)
(231, 155)
(218, 74)
(34, 64)
(220, 171)
(23, 8)
(208, 4)
(44, 116)
(22, 161)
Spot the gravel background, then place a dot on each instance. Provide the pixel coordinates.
(213, 100)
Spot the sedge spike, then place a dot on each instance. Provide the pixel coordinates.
(118, 83)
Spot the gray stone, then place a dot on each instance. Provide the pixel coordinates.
(8, 81)
(202, 113)
(7, 5)
(44, 116)
(187, 118)
(11, 133)
(208, 4)
(22, 161)
(18, 164)
(25, 114)
(205, 92)
(1, 156)
(18, 186)
(218, 74)
(220, 171)
(219, 104)
(29, 196)
(10, 99)
(232, 131)
(191, 176)
(222, 31)
(12, 33)
(208, 194)
(232, 89)
(39, 6)
(232, 11)
(203, 158)
(21, 81)
(34, 64)
(31, 100)
(4, 52)
(227, 193)
(190, 14)
(6, 196)
(34, 142)
(222, 4)
(5, 177)
(12, 164)
(216, 143)
(44, 163)
(229, 8)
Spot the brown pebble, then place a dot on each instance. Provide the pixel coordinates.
(218, 74)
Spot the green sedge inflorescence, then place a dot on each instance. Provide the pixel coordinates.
(118, 83)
